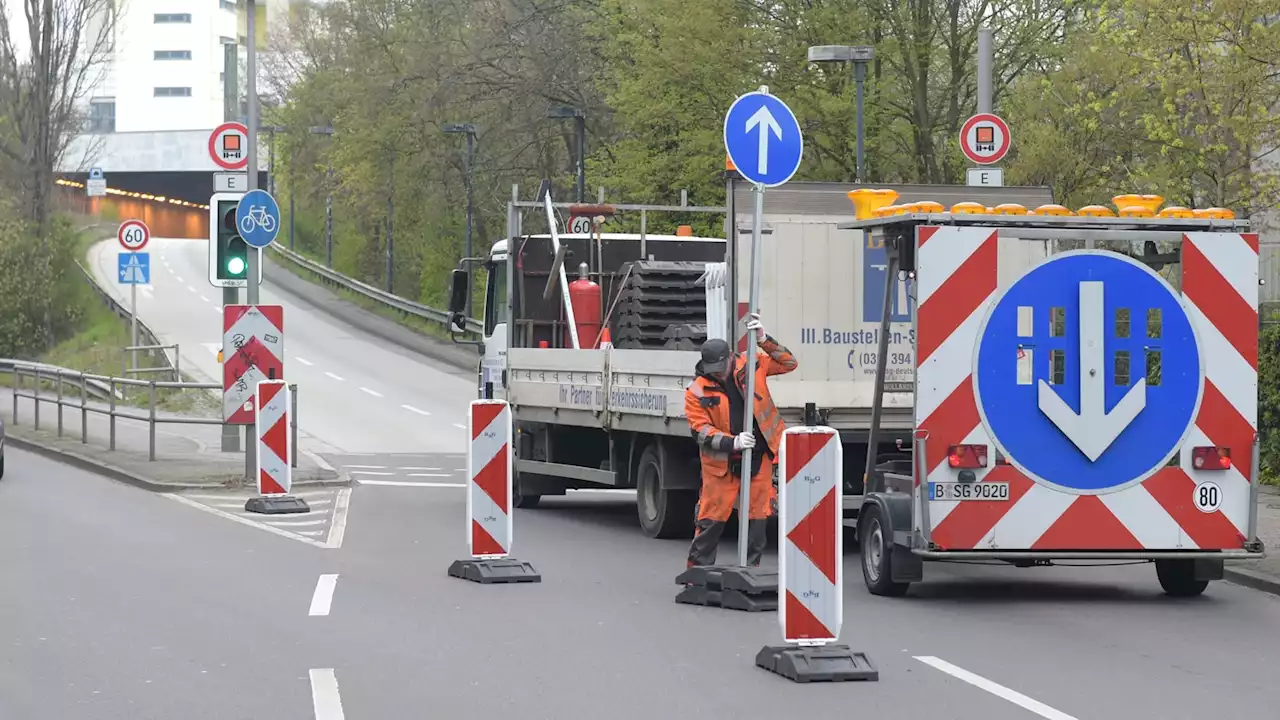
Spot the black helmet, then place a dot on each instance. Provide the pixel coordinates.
(715, 356)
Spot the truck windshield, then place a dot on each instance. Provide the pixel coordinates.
(495, 296)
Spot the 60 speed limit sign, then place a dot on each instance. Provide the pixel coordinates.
(133, 235)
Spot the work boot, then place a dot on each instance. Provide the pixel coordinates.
(757, 538)
(706, 540)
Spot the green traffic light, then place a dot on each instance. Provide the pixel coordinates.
(236, 266)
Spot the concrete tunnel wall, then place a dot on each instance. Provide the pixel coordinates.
(163, 218)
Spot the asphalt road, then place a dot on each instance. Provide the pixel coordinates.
(356, 393)
(119, 604)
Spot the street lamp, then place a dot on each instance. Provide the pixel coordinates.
(859, 55)
(327, 131)
(564, 112)
(469, 130)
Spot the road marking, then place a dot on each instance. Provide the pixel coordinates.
(179, 279)
(366, 467)
(374, 393)
(406, 483)
(205, 299)
(217, 308)
(146, 291)
(430, 474)
(460, 426)
(298, 523)
(338, 527)
(418, 468)
(369, 472)
(243, 521)
(335, 377)
(413, 409)
(189, 287)
(994, 688)
(322, 599)
(213, 348)
(324, 695)
(304, 361)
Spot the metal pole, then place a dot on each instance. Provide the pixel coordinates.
(84, 410)
(328, 216)
(748, 423)
(230, 295)
(580, 129)
(882, 353)
(111, 412)
(985, 57)
(471, 149)
(151, 394)
(292, 159)
(391, 211)
(860, 81)
(254, 256)
(293, 423)
(133, 323)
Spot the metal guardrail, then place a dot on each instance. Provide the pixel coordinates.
(145, 333)
(409, 307)
(62, 377)
(175, 368)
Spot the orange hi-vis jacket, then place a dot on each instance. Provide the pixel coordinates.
(707, 408)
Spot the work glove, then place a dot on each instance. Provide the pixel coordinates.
(755, 324)
(744, 441)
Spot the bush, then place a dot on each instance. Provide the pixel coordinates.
(1269, 402)
(36, 275)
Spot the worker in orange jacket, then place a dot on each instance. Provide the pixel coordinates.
(714, 406)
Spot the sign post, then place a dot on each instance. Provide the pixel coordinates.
(135, 270)
(764, 142)
(811, 580)
(985, 139)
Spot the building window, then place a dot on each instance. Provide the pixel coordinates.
(173, 18)
(102, 115)
(227, 4)
(173, 92)
(173, 55)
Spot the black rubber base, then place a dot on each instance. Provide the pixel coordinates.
(731, 587)
(820, 663)
(276, 505)
(488, 572)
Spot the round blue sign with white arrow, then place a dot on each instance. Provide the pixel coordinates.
(1088, 372)
(763, 139)
(258, 218)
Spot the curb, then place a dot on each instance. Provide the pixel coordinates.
(1252, 579)
(128, 477)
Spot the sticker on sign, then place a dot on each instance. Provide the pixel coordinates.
(133, 235)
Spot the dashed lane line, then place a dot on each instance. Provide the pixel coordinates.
(367, 391)
(460, 426)
(413, 409)
(364, 467)
(325, 698)
(994, 688)
(335, 377)
(409, 483)
(191, 288)
(302, 360)
(369, 472)
(322, 598)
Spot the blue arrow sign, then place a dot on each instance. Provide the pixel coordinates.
(258, 218)
(763, 139)
(134, 268)
(1089, 374)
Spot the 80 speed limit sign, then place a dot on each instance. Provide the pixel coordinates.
(133, 235)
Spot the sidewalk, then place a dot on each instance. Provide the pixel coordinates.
(188, 456)
(1262, 574)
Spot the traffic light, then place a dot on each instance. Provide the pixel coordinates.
(228, 252)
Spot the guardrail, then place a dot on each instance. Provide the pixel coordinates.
(145, 333)
(62, 377)
(409, 307)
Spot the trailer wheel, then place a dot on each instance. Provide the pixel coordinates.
(663, 513)
(1178, 578)
(876, 552)
(520, 499)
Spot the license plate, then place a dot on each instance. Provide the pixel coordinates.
(996, 491)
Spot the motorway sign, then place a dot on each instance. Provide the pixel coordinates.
(763, 139)
(258, 217)
(134, 268)
(97, 184)
(233, 182)
(1089, 373)
(229, 146)
(985, 138)
(133, 235)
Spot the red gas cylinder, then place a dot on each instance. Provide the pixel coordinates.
(584, 297)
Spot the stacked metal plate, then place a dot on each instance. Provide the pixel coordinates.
(661, 305)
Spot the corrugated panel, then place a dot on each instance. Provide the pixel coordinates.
(823, 198)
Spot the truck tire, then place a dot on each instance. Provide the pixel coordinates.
(1178, 578)
(876, 554)
(662, 513)
(520, 499)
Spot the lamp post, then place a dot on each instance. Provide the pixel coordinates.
(468, 129)
(327, 131)
(859, 55)
(564, 112)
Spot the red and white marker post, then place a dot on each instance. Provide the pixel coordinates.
(273, 411)
(810, 574)
(490, 480)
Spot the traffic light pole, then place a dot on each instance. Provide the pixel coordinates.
(254, 256)
(230, 110)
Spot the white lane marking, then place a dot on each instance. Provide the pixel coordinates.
(413, 409)
(406, 483)
(298, 523)
(213, 348)
(302, 360)
(430, 474)
(204, 299)
(366, 467)
(146, 291)
(994, 688)
(460, 426)
(418, 468)
(367, 391)
(192, 289)
(243, 521)
(324, 695)
(217, 308)
(179, 279)
(338, 528)
(322, 599)
(369, 472)
(335, 377)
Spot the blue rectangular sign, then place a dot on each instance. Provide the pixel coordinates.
(134, 268)
(875, 265)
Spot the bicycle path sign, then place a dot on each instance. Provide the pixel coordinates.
(258, 218)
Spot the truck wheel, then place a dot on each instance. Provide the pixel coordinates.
(520, 499)
(1178, 578)
(876, 551)
(663, 513)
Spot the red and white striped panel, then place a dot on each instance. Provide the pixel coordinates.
(957, 276)
(489, 479)
(271, 427)
(811, 538)
(252, 350)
